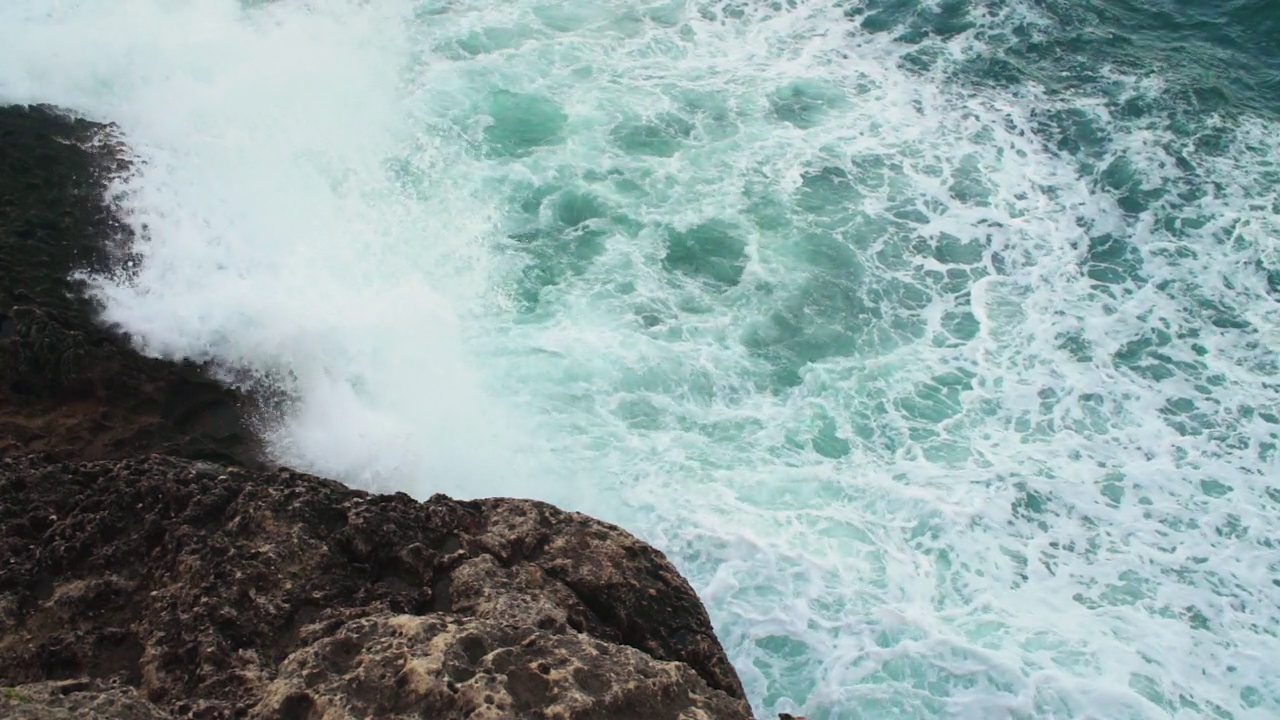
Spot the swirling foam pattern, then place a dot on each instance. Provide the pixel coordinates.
(937, 341)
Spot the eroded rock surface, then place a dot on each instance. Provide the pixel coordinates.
(151, 566)
(222, 591)
(76, 700)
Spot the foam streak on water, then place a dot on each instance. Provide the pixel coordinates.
(942, 360)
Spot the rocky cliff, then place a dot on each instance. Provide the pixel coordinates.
(153, 566)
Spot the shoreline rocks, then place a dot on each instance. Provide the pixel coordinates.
(68, 385)
(152, 565)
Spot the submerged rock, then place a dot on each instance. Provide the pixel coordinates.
(152, 566)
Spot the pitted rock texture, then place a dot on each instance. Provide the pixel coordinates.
(151, 566)
(76, 700)
(221, 592)
(395, 665)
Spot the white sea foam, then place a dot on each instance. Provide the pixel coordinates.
(950, 431)
(274, 237)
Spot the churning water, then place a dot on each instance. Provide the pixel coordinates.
(936, 341)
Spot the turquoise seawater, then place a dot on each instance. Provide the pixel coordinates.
(936, 342)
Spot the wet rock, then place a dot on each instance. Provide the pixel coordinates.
(69, 385)
(152, 566)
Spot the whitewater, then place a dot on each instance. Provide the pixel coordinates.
(937, 342)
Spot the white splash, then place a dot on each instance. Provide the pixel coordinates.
(947, 429)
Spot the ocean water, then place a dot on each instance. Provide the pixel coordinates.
(937, 342)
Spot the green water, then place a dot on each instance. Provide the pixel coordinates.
(937, 343)
(924, 364)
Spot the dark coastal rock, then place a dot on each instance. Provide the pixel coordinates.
(222, 591)
(68, 385)
(151, 566)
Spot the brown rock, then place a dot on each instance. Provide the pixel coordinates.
(75, 700)
(152, 567)
(221, 591)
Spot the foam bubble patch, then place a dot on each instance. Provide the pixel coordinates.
(935, 342)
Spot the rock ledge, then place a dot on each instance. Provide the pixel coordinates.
(224, 592)
(153, 566)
